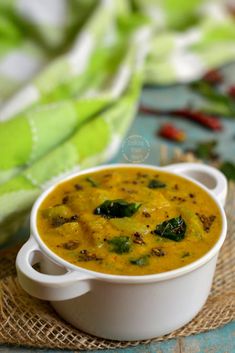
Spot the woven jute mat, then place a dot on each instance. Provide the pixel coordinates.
(31, 322)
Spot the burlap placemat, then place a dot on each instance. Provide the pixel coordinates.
(31, 322)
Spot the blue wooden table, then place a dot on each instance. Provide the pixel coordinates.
(221, 340)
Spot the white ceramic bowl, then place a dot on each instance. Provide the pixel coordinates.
(124, 307)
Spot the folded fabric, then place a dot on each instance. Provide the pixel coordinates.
(70, 77)
(82, 150)
(34, 133)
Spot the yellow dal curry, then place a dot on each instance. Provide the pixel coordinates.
(129, 221)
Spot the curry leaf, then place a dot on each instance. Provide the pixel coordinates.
(141, 261)
(228, 168)
(120, 244)
(92, 182)
(185, 254)
(155, 184)
(215, 102)
(206, 150)
(117, 209)
(173, 229)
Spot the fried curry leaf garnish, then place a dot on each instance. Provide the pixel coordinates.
(156, 184)
(173, 229)
(92, 182)
(185, 254)
(120, 245)
(117, 208)
(140, 261)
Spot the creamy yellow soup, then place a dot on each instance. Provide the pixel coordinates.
(129, 221)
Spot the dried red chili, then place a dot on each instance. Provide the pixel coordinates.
(213, 77)
(171, 132)
(209, 121)
(148, 110)
(231, 92)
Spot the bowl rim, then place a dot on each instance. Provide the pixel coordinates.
(148, 278)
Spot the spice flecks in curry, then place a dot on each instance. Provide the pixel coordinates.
(129, 221)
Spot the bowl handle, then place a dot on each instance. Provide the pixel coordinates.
(47, 287)
(210, 177)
